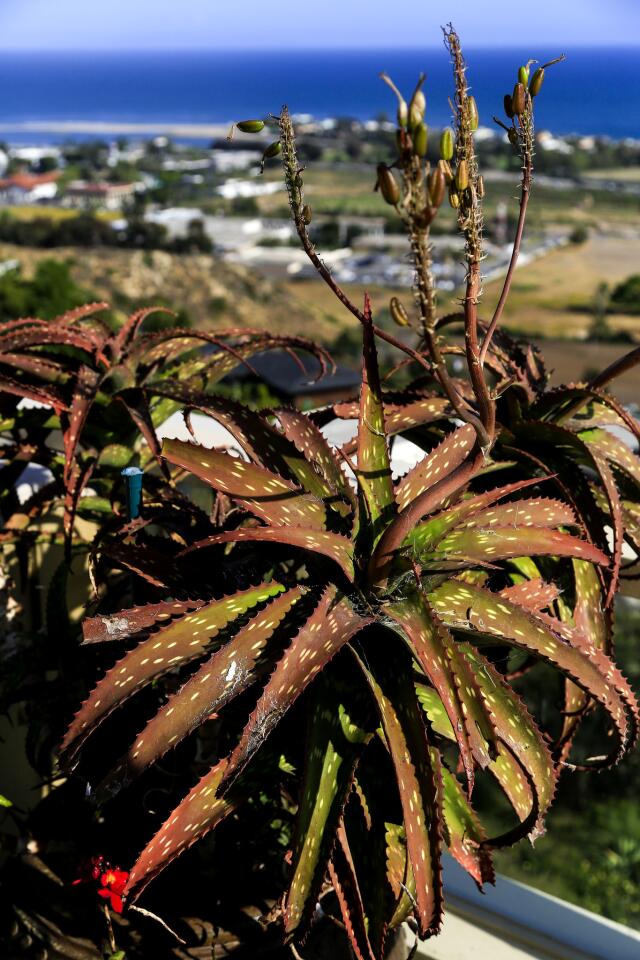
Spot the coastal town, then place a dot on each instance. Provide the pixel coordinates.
(187, 194)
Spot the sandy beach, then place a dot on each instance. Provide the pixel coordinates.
(98, 128)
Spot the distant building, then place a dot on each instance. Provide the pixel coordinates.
(26, 188)
(83, 195)
(291, 384)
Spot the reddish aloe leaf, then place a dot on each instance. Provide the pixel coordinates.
(154, 565)
(399, 873)
(466, 605)
(533, 595)
(172, 646)
(120, 626)
(137, 405)
(47, 395)
(51, 335)
(399, 416)
(86, 386)
(130, 327)
(263, 493)
(406, 739)
(334, 743)
(80, 313)
(501, 543)
(345, 883)
(438, 655)
(453, 450)
(200, 811)
(302, 431)
(48, 370)
(330, 545)
(333, 623)
(426, 535)
(75, 484)
(517, 729)
(374, 471)
(591, 626)
(265, 445)
(464, 835)
(228, 672)
(535, 512)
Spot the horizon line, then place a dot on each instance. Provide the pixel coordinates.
(634, 45)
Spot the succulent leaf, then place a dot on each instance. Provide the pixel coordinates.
(265, 494)
(178, 643)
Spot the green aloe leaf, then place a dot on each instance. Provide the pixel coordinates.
(334, 744)
(374, 470)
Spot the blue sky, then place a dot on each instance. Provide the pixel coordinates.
(268, 24)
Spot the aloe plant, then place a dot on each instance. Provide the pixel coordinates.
(384, 611)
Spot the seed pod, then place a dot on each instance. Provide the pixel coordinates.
(508, 106)
(250, 126)
(454, 197)
(518, 99)
(512, 134)
(445, 166)
(272, 151)
(446, 144)
(403, 113)
(471, 196)
(472, 112)
(388, 185)
(436, 186)
(523, 76)
(462, 176)
(420, 140)
(424, 219)
(480, 186)
(306, 214)
(398, 313)
(536, 82)
(417, 108)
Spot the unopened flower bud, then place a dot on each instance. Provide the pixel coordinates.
(398, 313)
(417, 108)
(523, 76)
(445, 166)
(420, 139)
(250, 126)
(536, 82)
(446, 144)
(508, 106)
(306, 214)
(436, 186)
(472, 112)
(388, 185)
(403, 113)
(272, 151)
(518, 99)
(462, 176)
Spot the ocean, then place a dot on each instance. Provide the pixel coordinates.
(596, 91)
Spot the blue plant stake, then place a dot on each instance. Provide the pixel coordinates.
(133, 481)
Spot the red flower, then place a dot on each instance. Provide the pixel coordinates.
(111, 880)
(112, 884)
